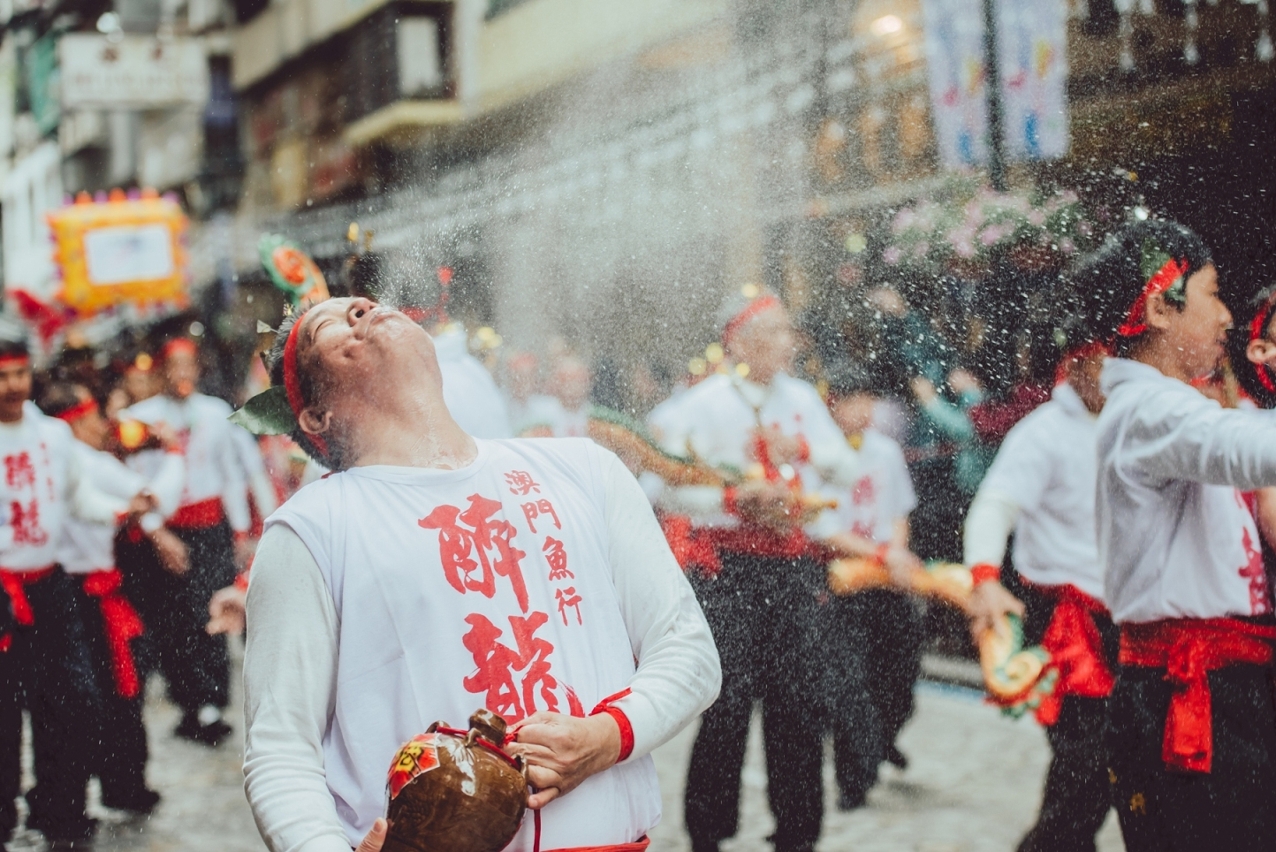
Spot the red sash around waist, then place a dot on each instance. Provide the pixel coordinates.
(636, 846)
(701, 546)
(15, 583)
(1076, 650)
(198, 516)
(1188, 649)
(122, 624)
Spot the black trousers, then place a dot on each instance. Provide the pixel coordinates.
(195, 665)
(119, 753)
(1077, 793)
(764, 614)
(47, 672)
(879, 635)
(1233, 807)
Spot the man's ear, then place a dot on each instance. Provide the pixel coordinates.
(1157, 311)
(313, 423)
(1261, 351)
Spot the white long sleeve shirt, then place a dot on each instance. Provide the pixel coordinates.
(253, 465)
(214, 469)
(1175, 537)
(44, 484)
(88, 546)
(327, 702)
(469, 391)
(1041, 486)
(881, 497)
(716, 419)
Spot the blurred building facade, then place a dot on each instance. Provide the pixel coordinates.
(99, 94)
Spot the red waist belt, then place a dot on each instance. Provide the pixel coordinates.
(1076, 650)
(701, 546)
(198, 516)
(636, 846)
(15, 583)
(122, 624)
(1188, 649)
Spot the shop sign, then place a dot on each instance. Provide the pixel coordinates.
(132, 72)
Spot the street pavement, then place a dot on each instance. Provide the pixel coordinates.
(973, 785)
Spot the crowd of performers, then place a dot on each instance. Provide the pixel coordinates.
(128, 502)
(1124, 517)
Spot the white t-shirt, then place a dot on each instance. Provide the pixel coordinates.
(469, 389)
(535, 578)
(88, 546)
(1175, 536)
(42, 485)
(214, 467)
(716, 420)
(1046, 469)
(882, 495)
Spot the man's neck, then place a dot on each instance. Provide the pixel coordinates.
(1163, 357)
(420, 434)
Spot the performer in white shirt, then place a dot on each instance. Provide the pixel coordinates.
(879, 632)
(86, 553)
(213, 521)
(469, 390)
(44, 664)
(436, 573)
(1040, 488)
(1191, 719)
(761, 587)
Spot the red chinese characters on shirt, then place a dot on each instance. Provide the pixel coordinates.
(521, 483)
(568, 599)
(1254, 572)
(537, 509)
(25, 520)
(475, 548)
(24, 516)
(477, 545)
(516, 681)
(19, 472)
(556, 556)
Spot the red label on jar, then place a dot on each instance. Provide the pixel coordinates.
(418, 755)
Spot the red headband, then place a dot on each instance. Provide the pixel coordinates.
(176, 345)
(1257, 330)
(6, 360)
(1136, 322)
(292, 385)
(75, 412)
(751, 310)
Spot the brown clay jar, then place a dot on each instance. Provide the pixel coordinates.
(456, 792)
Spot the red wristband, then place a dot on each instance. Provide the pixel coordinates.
(728, 501)
(622, 722)
(984, 573)
(241, 581)
(879, 555)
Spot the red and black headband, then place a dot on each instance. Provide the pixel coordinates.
(292, 384)
(176, 346)
(78, 411)
(1257, 331)
(754, 308)
(1166, 276)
